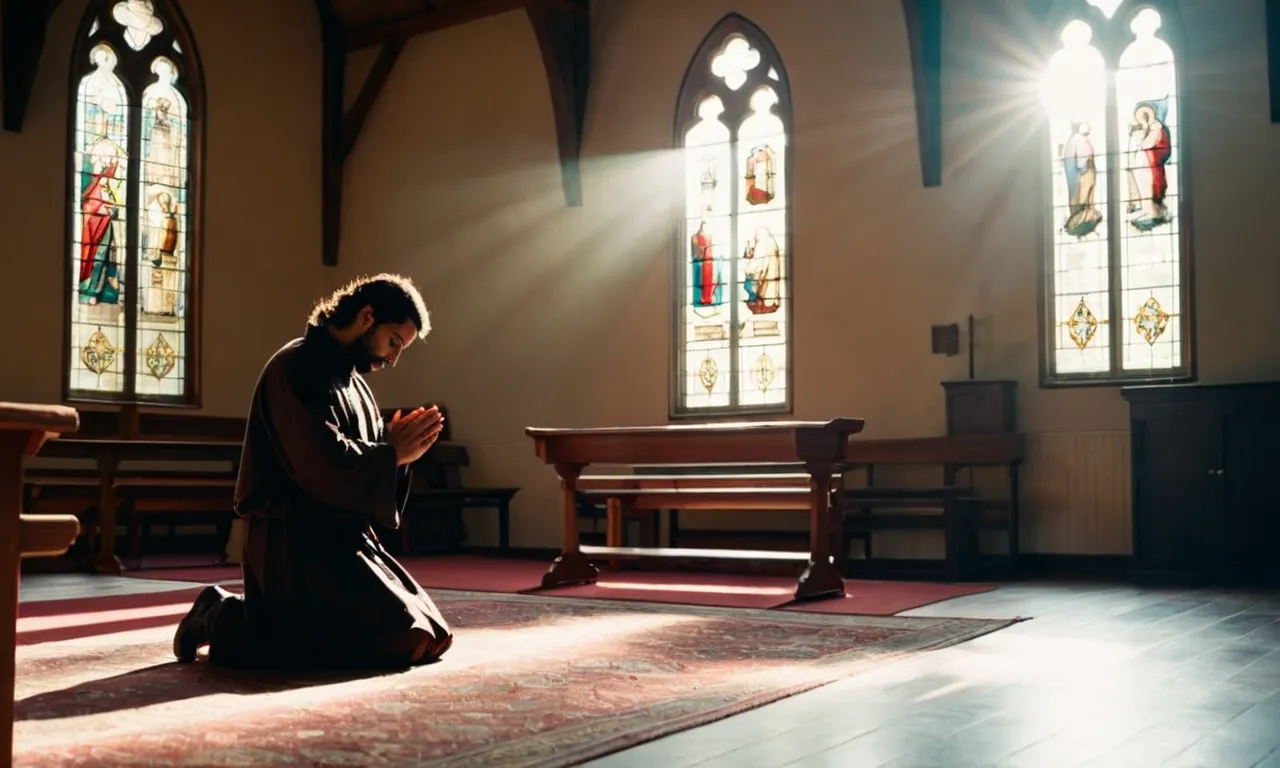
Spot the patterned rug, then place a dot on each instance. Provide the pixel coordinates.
(530, 682)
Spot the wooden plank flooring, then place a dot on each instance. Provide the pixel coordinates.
(1103, 676)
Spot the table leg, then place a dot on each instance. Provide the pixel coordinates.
(12, 445)
(105, 561)
(613, 528)
(821, 578)
(571, 567)
(1014, 543)
(504, 528)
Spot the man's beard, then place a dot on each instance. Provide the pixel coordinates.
(362, 353)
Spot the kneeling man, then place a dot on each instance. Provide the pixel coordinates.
(318, 469)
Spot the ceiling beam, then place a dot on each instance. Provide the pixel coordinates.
(339, 128)
(333, 52)
(22, 33)
(924, 34)
(379, 73)
(1273, 56)
(564, 40)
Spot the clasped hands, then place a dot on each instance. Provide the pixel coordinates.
(412, 434)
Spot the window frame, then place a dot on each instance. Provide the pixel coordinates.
(695, 84)
(1111, 37)
(135, 75)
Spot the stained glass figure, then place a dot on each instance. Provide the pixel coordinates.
(708, 182)
(164, 175)
(1079, 162)
(708, 286)
(99, 248)
(1150, 147)
(760, 175)
(764, 272)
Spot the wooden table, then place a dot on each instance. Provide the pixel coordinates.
(23, 430)
(108, 452)
(819, 446)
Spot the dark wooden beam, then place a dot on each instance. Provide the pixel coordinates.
(563, 31)
(924, 32)
(333, 47)
(22, 33)
(1273, 56)
(353, 120)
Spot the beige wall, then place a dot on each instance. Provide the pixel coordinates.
(559, 316)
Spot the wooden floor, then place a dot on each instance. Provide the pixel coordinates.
(1103, 675)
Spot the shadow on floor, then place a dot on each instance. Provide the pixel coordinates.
(170, 682)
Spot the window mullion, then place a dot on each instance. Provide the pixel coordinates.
(1114, 228)
(735, 375)
(131, 286)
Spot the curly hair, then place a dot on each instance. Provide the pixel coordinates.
(394, 299)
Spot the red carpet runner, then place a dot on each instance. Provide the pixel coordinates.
(491, 574)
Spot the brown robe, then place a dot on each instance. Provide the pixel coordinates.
(320, 589)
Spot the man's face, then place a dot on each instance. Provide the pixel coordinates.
(380, 346)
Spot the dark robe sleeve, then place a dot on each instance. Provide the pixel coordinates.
(331, 468)
(403, 483)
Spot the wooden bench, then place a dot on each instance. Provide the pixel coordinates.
(951, 508)
(439, 496)
(106, 491)
(23, 430)
(726, 488)
(438, 487)
(956, 510)
(818, 446)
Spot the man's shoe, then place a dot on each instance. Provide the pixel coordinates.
(226, 640)
(196, 628)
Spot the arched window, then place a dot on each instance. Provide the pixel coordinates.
(733, 250)
(136, 140)
(1117, 292)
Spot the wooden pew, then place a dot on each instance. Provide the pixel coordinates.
(108, 488)
(818, 446)
(949, 508)
(723, 488)
(960, 517)
(439, 490)
(23, 430)
(438, 487)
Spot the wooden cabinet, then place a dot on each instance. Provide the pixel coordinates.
(980, 407)
(1204, 508)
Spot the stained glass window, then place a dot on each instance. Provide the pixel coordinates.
(1117, 288)
(133, 213)
(733, 253)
